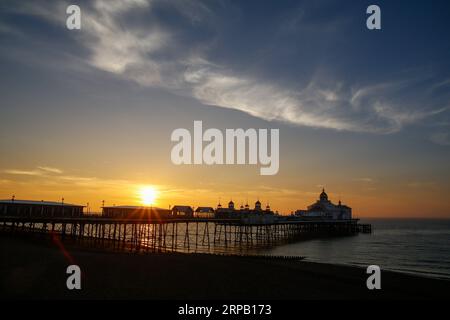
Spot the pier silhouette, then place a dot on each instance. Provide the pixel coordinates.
(177, 233)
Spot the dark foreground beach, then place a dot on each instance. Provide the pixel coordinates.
(37, 270)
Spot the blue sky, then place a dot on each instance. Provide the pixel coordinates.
(314, 63)
(351, 104)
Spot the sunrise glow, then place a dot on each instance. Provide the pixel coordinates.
(148, 195)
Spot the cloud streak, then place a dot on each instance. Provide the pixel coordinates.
(152, 55)
(38, 171)
(24, 172)
(51, 170)
(441, 138)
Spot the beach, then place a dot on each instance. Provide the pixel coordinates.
(32, 269)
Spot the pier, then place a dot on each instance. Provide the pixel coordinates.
(177, 234)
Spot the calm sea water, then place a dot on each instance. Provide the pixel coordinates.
(415, 246)
(418, 246)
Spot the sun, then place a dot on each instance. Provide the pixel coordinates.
(148, 195)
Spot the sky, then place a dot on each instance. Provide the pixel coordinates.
(87, 115)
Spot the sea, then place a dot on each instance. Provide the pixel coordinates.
(415, 246)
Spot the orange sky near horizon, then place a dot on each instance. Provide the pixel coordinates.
(366, 198)
(347, 166)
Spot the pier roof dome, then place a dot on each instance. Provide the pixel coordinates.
(323, 195)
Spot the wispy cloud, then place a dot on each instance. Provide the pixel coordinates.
(151, 54)
(441, 138)
(421, 184)
(24, 172)
(38, 171)
(50, 169)
(367, 180)
(47, 177)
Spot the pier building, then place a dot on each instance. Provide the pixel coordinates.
(132, 212)
(325, 209)
(31, 208)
